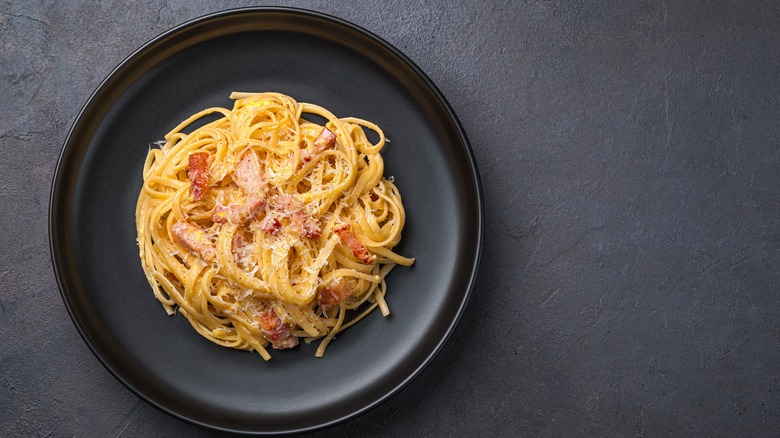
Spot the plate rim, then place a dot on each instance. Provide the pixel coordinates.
(56, 192)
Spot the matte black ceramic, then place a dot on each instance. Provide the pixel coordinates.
(313, 58)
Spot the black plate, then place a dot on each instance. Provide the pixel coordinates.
(313, 58)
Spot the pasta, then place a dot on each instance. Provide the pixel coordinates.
(263, 228)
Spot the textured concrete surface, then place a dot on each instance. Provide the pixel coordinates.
(630, 155)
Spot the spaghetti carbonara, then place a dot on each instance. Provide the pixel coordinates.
(263, 228)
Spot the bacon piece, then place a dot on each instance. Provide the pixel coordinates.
(304, 224)
(198, 170)
(271, 225)
(334, 293)
(247, 174)
(358, 249)
(278, 333)
(374, 197)
(237, 246)
(238, 215)
(192, 238)
(326, 140)
(254, 204)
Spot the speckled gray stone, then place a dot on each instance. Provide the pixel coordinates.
(630, 155)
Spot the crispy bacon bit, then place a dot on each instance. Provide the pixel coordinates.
(192, 238)
(271, 225)
(304, 224)
(278, 333)
(334, 293)
(374, 197)
(238, 215)
(324, 141)
(247, 174)
(198, 171)
(358, 249)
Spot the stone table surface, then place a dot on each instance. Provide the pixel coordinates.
(630, 160)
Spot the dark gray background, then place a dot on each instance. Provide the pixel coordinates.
(629, 153)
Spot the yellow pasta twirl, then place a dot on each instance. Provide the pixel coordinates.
(263, 228)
